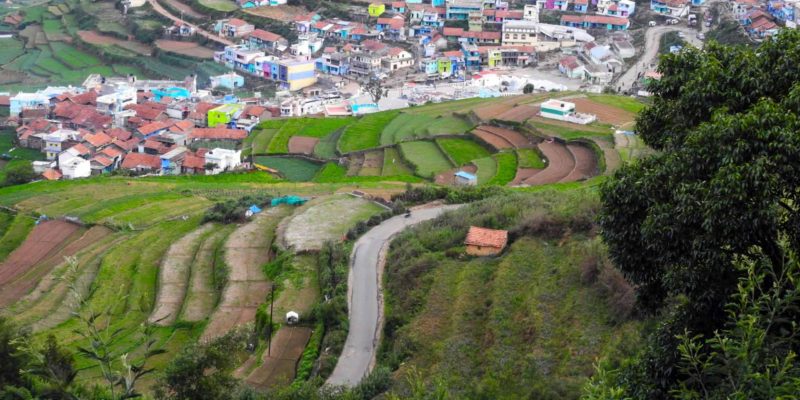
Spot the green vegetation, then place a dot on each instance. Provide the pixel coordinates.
(365, 133)
(311, 127)
(414, 126)
(462, 151)
(487, 169)
(630, 104)
(7, 143)
(426, 158)
(73, 57)
(526, 324)
(393, 163)
(220, 5)
(293, 168)
(14, 233)
(506, 168)
(570, 132)
(335, 173)
(11, 49)
(529, 158)
(326, 147)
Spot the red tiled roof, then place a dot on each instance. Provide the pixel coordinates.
(572, 18)
(193, 161)
(129, 144)
(38, 124)
(453, 53)
(373, 45)
(606, 19)
(509, 14)
(218, 133)
(253, 111)
(265, 35)
(136, 160)
(570, 62)
(486, 237)
(485, 35)
(80, 149)
(398, 4)
(119, 133)
(102, 160)
(87, 98)
(154, 127)
(450, 31)
(203, 107)
(51, 174)
(394, 22)
(98, 139)
(5, 101)
(237, 22)
(110, 152)
(395, 51)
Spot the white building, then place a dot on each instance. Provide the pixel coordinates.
(520, 33)
(116, 101)
(223, 159)
(73, 166)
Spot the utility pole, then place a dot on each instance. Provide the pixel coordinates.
(271, 302)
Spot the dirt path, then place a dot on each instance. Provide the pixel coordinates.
(201, 296)
(210, 36)
(585, 163)
(652, 38)
(173, 277)
(559, 164)
(248, 248)
(280, 365)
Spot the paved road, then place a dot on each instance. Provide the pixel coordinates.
(652, 42)
(200, 31)
(365, 301)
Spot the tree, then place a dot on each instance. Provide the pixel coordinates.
(18, 172)
(724, 188)
(11, 359)
(528, 88)
(210, 166)
(374, 88)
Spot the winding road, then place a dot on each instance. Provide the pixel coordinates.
(365, 300)
(652, 43)
(200, 31)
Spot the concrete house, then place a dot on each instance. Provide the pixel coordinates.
(485, 242)
(233, 27)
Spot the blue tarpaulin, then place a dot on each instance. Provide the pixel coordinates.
(254, 209)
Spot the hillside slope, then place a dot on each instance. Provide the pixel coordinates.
(527, 324)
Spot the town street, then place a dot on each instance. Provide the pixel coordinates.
(652, 43)
(364, 297)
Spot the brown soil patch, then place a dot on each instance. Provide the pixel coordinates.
(184, 8)
(173, 277)
(280, 365)
(44, 241)
(201, 296)
(283, 13)
(605, 113)
(518, 114)
(190, 49)
(62, 240)
(98, 39)
(302, 144)
(523, 174)
(559, 164)
(448, 177)
(493, 140)
(516, 139)
(585, 163)
(491, 111)
(373, 164)
(248, 248)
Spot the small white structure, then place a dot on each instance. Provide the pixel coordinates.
(223, 159)
(73, 166)
(463, 178)
(292, 317)
(564, 111)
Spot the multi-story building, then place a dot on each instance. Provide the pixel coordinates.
(459, 10)
(333, 63)
(397, 58)
(233, 27)
(265, 40)
(616, 8)
(596, 22)
(671, 8)
(522, 33)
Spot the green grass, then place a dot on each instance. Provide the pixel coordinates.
(321, 127)
(335, 173)
(413, 126)
(25, 62)
(280, 141)
(52, 26)
(73, 57)
(111, 27)
(21, 153)
(259, 140)
(530, 158)
(394, 164)
(220, 5)
(11, 49)
(487, 169)
(366, 132)
(310, 127)
(626, 103)
(426, 157)
(462, 151)
(34, 14)
(15, 233)
(570, 133)
(294, 169)
(326, 147)
(506, 169)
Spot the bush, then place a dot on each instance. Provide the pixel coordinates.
(231, 211)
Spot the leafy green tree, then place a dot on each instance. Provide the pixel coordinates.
(528, 88)
(18, 173)
(12, 360)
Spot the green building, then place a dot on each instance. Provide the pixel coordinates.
(223, 114)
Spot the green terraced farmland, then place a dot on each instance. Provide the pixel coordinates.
(294, 169)
(529, 158)
(426, 157)
(506, 168)
(411, 126)
(394, 164)
(366, 132)
(73, 57)
(487, 169)
(462, 151)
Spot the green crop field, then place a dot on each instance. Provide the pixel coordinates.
(462, 151)
(321, 127)
(52, 25)
(11, 49)
(487, 169)
(568, 132)
(6, 144)
(366, 132)
(326, 147)
(220, 5)
(394, 164)
(15, 230)
(311, 127)
(294, 169)
(529, 158)
(280, 141)
(626, 103)
(426, 157)
(506, 168)
(413, 126)
(73, 57)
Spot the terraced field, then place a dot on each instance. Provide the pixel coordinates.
(426, 157)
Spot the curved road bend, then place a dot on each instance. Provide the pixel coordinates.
(364, 299)
(210, 36)
(652, 42)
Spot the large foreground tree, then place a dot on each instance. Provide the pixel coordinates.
(723, 189)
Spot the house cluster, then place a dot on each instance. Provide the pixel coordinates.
(143, 126)
(596, 64)
(762, 19)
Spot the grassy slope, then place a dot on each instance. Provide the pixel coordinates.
(462, 151)
(518, 326)
(426, 156)
(15, 231)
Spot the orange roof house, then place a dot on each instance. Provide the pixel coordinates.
(485, 242)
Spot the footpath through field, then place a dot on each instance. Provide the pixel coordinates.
(210, 36)
(364, 298)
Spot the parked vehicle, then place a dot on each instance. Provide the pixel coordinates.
(672, 21)
(681, 35)
(691, 20)
(701, 36)
(652, 23)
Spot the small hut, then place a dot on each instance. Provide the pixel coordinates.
(485, 242)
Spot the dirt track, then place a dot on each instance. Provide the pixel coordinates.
(495, 141)
(518, 114)
(280, 366)
(248, 248)
(559, 164)
(173, 277)
(516, 139)
(585, 163)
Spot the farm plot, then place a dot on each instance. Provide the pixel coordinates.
(487, 169)
(560, 163)
(302, 145)
(293, 168)
(173, 279)
(324, 219)
(308, 127)
(326, 147)
(585, 163)
(414, 126)
(491, 110)
(16, 230)
(190, 49)
(366, 132)
(373, 164)
(498, 142)
(506, 168)
(248, 248)
(393, 163)
(462, 151)
(426, 158)
(105, 42)
(259, 140)
(185, 9)
(279, 13)
(220, 5)
(203, 286)
(566, 130)
(11, 49)
(279, 366)
(530, 158)
(605, 113)
(516, 139)
(43, 240)
(73, 57)
(76, 242)
(518, 114)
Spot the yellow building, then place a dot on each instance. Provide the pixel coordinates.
(376, 9)
(296, 74)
